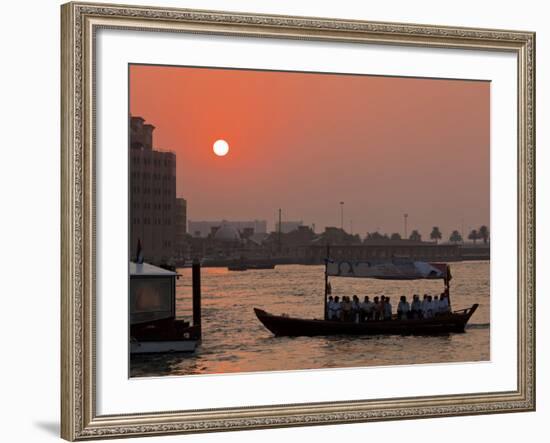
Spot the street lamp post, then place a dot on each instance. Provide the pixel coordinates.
(280, 231)
(405, 216)
(342, 216)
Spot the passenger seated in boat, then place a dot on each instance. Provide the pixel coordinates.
(387, 309)
(377, 309)
(403, 308)
(366, 309)
(336, 308)
(330, 307)
(443, 304)
(416, 307)
(428, 310)
(355, 309)
(346, 308)
(424, 306)
(382, 307)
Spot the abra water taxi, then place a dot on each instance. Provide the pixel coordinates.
(452, 321)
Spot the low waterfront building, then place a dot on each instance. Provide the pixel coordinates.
(333, 235)
(383, 251)
(288, 226)
(204, 228)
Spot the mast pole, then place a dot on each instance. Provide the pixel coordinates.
(326, 283)
(196, 281)
(448, 286)
(279, 232)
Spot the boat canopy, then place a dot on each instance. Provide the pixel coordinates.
(148, 270)
(408, 270)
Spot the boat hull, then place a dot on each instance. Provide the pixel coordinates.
(164, 336)
(282, 326)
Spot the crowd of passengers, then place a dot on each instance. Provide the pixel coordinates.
(380, 308)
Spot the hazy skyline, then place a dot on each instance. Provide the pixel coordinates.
(304, 142)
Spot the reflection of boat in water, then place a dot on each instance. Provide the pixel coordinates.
(153, 324)
(163, 335)
(243, 266)
(452, 321)
(262, 266)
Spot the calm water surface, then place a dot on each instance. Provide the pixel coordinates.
(235, 341)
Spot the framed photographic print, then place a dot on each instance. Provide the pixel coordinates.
(282, 221)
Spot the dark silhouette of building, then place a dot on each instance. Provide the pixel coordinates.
(203, 228)
(384, 251)
(152, 196)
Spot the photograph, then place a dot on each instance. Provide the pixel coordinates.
(289, 220)
(283, 218)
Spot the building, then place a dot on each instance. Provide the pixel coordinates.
(382, 251)
(288, 226)
(181, 227)
(206, 228)
(152, 196)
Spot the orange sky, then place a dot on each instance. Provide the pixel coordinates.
(304, 142)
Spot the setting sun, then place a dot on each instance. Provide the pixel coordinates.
(221, 148)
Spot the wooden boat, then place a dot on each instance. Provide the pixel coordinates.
(397, 269)
(281, 325)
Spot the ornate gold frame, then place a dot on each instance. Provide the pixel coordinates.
(79, 23)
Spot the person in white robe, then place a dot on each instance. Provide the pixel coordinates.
(416, 307)
(355, 309)
(367, 308)
(429, 307)
(403, 308)
(330, 307)
(424, 306)
(387, 309)
(443, 305)
(337, 308)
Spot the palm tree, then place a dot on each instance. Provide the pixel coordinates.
(484, 233)
(455, 237)
(435, 234)
(415, 236)
(474, 235)
(374, 236)
(396, 236)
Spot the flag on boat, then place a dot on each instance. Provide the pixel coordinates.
(410, 270)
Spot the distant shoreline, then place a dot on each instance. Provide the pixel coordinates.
(229, 262)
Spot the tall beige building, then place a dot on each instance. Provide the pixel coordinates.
(152, 196)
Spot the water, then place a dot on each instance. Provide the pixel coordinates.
(235, 341)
